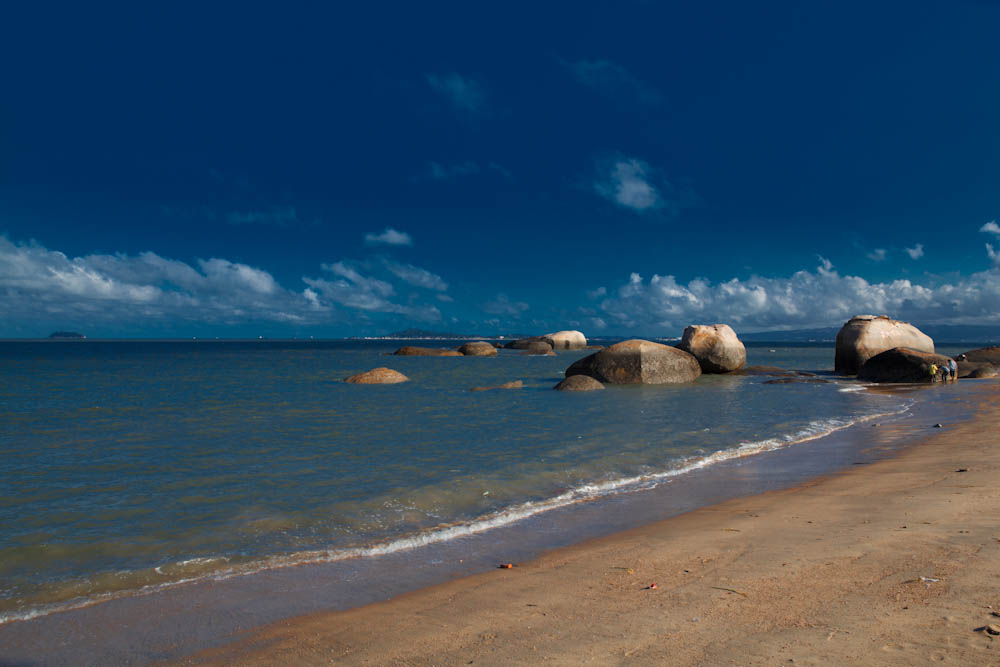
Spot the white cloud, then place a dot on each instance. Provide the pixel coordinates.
(916, 252)
(994, 255)
(877, 255)
(502, 305)
(627, 183)
(990, 227)
(38, 285)
(389, 236)
(597, 293)
(416, 276)
(613, 80)
(805, 299)
(464, 93)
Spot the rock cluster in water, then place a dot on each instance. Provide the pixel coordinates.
(876, 348)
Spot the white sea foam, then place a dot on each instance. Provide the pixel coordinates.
(504, 517)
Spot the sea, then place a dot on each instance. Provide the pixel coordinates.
(129, 468)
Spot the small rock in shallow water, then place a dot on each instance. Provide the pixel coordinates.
(937, 425)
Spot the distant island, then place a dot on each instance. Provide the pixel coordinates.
(66, 334)
(422, 333)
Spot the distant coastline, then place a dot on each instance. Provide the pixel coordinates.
(66, 335)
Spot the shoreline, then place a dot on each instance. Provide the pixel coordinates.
(182, 620)
(826, 570)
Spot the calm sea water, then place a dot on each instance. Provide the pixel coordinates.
(128, 466)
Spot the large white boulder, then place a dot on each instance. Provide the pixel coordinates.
(567, 340)
(864, 336)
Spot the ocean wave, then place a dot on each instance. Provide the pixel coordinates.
(450, 531)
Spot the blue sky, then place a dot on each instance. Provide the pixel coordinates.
(625, 168)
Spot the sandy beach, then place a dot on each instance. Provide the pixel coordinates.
(896, 562)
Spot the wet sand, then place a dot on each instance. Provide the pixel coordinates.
(897, 562)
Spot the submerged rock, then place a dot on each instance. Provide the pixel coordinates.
(380, 375)
(903, 364)
(579, 383)
(715, 346)
(864, 336)
(638, 362)
(523, 343)
(515, 384)
(796, 380)
(773, 370)
(478, 349)
(412, 351)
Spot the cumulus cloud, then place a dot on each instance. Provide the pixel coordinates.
(877, 255)
(463, 93)
(352, 289)
(389, 236)
(597, 293)
(38, 283)
(502, 305)
(416, 276)
(41, 285)
(612, 80)
(805, 299)
(990, 227)
(633, 184)
(916, 252)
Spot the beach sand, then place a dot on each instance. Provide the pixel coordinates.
(827, 572)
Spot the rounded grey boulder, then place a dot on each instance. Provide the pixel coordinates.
(715, 346)
(539, 348)
(523, 343)
(579, 383)
(378, 376)
(988, 355)
(638, 361)
(478, 349)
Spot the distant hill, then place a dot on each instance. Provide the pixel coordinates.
(828, 334)
(66, 334)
